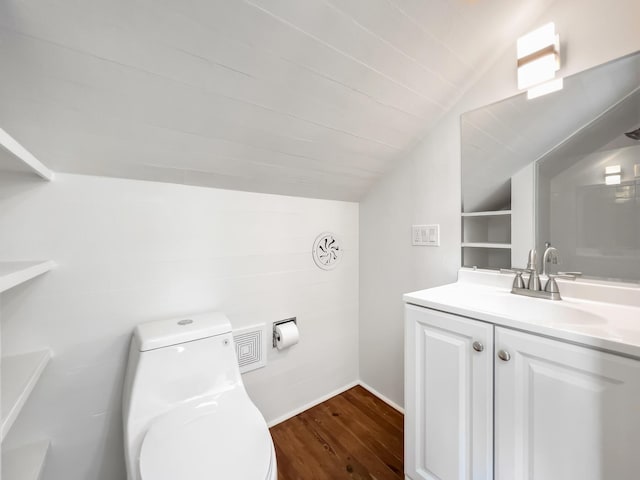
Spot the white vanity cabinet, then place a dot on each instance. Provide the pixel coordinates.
(448, 397)
(564, 411)
(561, 411)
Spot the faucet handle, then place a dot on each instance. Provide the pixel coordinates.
(564, 275)
(569, 274)
(515, 270)
(518, 281)
(552, 285)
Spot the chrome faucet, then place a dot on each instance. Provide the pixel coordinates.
(534, 278)
(551, 255)
(533, 289)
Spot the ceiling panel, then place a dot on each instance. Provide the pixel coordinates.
(313, 98)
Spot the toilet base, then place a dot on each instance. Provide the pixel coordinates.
(273, 471)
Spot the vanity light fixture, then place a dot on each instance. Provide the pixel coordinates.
(612, 180)
(539, 60)
(612, 175)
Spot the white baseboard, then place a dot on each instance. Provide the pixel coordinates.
(312, 404)
(389, 402)
(326, 397)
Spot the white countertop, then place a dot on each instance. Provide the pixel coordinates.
(600, 324)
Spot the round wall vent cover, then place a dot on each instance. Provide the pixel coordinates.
(327, 251)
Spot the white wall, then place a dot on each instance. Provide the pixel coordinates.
(132, 251)
(425, 187)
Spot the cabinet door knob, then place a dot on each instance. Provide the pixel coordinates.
(504, 355)
(478, 347)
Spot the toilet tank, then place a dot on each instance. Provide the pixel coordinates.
(174, 362)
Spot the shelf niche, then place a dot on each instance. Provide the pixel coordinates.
(486, 239)
(484, 257)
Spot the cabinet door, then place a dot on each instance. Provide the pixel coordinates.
(448, 397)
(564, 412)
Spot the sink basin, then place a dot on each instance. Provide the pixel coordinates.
(603, 317)
(540, 311)
(564, 314)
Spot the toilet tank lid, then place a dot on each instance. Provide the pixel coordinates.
(164, 333)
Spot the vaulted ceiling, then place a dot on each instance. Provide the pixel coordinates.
(301, 97)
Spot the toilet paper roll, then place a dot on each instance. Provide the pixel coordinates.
(287, 334)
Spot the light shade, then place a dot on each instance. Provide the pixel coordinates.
(612, 175)
(536, 40)
(612, 179)
(538, 56)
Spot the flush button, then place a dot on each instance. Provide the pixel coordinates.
(187, 321)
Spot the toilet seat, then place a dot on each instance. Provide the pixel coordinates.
(223, 437)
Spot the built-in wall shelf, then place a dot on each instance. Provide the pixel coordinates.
(486, 245)
(15, 158)
(493, 213)
(15, 273)
(19, 376)
(486, 239)
(25, 463)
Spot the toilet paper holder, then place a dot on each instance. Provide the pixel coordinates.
(280, 322)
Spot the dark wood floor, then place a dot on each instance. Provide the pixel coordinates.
(354, 435)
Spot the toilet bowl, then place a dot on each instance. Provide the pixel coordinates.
(186, 412)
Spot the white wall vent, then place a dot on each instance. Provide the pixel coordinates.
(327, 251)
(251, 347)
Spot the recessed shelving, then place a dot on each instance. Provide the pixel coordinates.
(486, 239)
(486, 245)
(493, 213)
(25, 463)
(15, 273)
(486, 256)
(14, 157)
(19, 376)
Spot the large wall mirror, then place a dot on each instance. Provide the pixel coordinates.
(564, 169)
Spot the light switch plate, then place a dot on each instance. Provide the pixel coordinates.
(425, 235)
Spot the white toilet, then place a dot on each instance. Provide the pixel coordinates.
(186, 412)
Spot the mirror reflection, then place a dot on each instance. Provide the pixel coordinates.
(562, 169)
